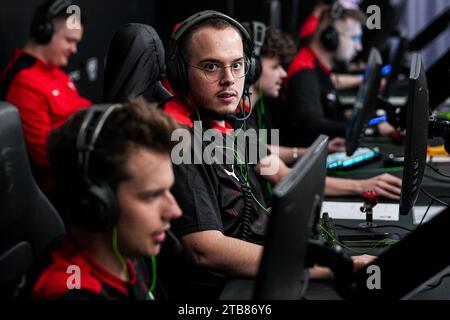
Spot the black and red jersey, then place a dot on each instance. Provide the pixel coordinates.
(313, 103)
(96, 282)
(212, 197)
(45, 97)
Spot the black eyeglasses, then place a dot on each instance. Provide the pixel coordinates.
(215, 71)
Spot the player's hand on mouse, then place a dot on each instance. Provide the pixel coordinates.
(272, 168)
(385, 185)
(385, 129)
(360, 262)
(336, 144)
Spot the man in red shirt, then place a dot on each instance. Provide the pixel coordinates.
(35, 84)
(113, 192)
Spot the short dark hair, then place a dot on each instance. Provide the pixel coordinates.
(61, 15)
(354, 14)
(137, 123)
(276, 44)
(215, 23)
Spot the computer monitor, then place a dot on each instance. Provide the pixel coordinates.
(366, 100)
(297, 201)
(416, 135)
(406, 266)
(396, 56)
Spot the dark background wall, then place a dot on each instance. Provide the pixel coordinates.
(105, 16)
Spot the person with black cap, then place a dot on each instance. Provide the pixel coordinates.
(113, 176)
(34, 82)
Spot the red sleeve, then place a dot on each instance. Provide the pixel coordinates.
(309, 27)
(36, 122)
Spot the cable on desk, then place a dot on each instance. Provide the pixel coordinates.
(429, 195)
(437, 171)
(438, 179)
(381, 242)
(432, 286)
(374, 227)
(429, 206)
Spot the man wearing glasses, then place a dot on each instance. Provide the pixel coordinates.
(313, 102)
(225, 214)
(211, 195)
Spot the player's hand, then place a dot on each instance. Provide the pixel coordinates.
(360, 262)
(336, 144)
(385, 185)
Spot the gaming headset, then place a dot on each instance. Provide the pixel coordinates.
(329, 37)
(98, 209)
(42, 28)
(259, 35)
(176, 67)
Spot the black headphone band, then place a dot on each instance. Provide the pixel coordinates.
(90, 130)
(42, 25)
(57, 7)
(336, 11)
(176, 68)
(259, 35)
(209, 14)
(330, 35)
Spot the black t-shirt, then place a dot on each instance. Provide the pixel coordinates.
(313, 102)
(260, 120)
(213, 197)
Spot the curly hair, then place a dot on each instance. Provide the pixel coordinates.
(354, 14)
(277, 43)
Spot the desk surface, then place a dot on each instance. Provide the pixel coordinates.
(399, 101)
(242, 289)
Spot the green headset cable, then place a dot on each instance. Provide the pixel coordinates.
(256, 200)
(260, 113)
(238, 158)
(153, 285)
(246, 180)
(261, 110)
(124, 265)
(150, 292)
(385, 241)
(118, 254)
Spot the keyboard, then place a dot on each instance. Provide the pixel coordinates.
(340, 160)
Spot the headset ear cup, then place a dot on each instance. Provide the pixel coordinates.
(43, 31)
(47, 34)
(105, 201)
(254, 71)
(183, 74)
(177, 73)
(330, 38)
(98, 210)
